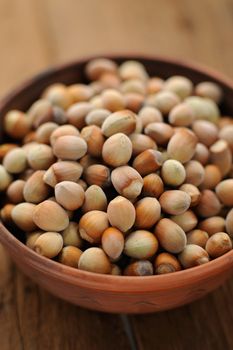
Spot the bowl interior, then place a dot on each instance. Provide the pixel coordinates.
(23, 96)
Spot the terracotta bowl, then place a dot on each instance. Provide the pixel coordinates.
(107, 293)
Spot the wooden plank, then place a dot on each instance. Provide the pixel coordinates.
(204, 324)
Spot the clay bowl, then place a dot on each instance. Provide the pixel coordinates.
(104, 292)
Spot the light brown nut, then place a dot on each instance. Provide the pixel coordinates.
(22, 215)
(69, 194)
(148, 212)
(16, 124)
(50, 216)
(71, 235)
(15, 191)
(94, 260)
(141, 244)
(170, 236)
(193, 191)
(15, 161)
(150, 115)
(210, 90)
(224, 191)
(92, 225)
(209, 204)
(40, 157)
(141, 143)
(180, 85)
(127, 181)
(35, 190)
(212, 225)
(94, 138)
(182, 145)
(173, 172)
(95, 199)
(121, 213)
(218, 244)
(220, 155)
(206, 132)
(122, 121)
(70, 256)
(80, 92)
(152, 185)
(139, 268)
(201, 154)
(98, 66)
(212, 177)
(181, 115)
(159, 132)
(163, 100)
(132, 70)
(77, 113)
(197, 237)
(187, 221)
(175, 202)
(49, 244)
(58, 95)
(97, 174)
(44, 132)
(229, 223)
(97, 116)
(203, 108)
(193, 255)
(112, 100)
(195, 173)
(70, 147)
(63, 171)
(117, 150)
(63, 130)
(148, 162)
(112, 242)
(166, 263)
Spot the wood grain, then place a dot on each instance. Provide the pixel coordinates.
(35, 34)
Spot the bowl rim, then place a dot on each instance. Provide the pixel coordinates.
(112, 282)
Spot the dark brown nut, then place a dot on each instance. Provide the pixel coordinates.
(166, 263)
(148, 162)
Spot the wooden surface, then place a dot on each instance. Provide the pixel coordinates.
(35, 34)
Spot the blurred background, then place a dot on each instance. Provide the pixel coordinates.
(35, 34)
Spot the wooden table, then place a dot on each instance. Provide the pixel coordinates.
(37, 33)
